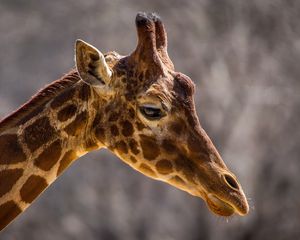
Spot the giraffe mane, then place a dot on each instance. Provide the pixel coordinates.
(39, 99)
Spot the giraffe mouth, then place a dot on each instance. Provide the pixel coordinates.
(220, 207)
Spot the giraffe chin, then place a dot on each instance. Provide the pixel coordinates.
(218, 206)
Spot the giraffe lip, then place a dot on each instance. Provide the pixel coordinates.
(218, 206)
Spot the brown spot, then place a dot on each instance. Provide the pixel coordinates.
(91, 145)
(129, 87)
(96, 120)
(164, 166)
(177, 127)
(114, 130)
(100, 134)
(196, 145)
(77, 126)
(66, 161)
(177, 181)
(8, 178)
(147, 170)
(121, 147)
(186, 166)
(114, 116)
(127, 128)
(49, 157)
(130, 73)
(131, 113)
(8, 212)
(31, 114)
(10, 150)
(62, 98)
(169, 146)
(128, 96)
(133, 159)
(67, 112)
(147, 74)
(84, 93)
(133, 145)
(108, 108)
(38, 133)
(32, 188)
(150, 147)
(140, 126)
(141, 76)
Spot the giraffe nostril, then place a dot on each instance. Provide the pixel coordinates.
(231, 182)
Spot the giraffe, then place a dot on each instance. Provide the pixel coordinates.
(137, 106)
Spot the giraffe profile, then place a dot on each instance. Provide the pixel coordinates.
(137, 106)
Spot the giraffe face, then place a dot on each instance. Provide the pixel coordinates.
(150, 119)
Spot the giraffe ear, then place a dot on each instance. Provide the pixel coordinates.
(91, 65)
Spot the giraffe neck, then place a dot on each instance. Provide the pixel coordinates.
(39, 141)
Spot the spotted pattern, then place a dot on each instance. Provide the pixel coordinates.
(100, 134)
(62, 98)
(121, 147)
(97, 120)
(127, 128)
(9, 146)
(90, 144)
(177, 127)
(133, 159)
(32, 188)
(77, 126)
(8, 179)
(31, 114)
(66, 113)
(177, 181)
(38, 133)
(8, 212)
(149, 147)
(133, 145)
(114, 130)
(197, 145)
(131, 113)
(49, 157)
(66, 161)
(140, 126)
(186, 166)
(84, 92)
(147, 170)
(164, 167)
(169, 146)
(114, 116)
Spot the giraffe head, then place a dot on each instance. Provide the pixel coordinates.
(149, 118)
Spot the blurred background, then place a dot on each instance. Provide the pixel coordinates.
(244, 57)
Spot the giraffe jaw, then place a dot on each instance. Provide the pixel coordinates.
(224, 208)
(219, 207)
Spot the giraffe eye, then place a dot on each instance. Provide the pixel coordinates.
(151, 112)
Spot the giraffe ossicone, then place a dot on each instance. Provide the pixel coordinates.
(137, 106)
